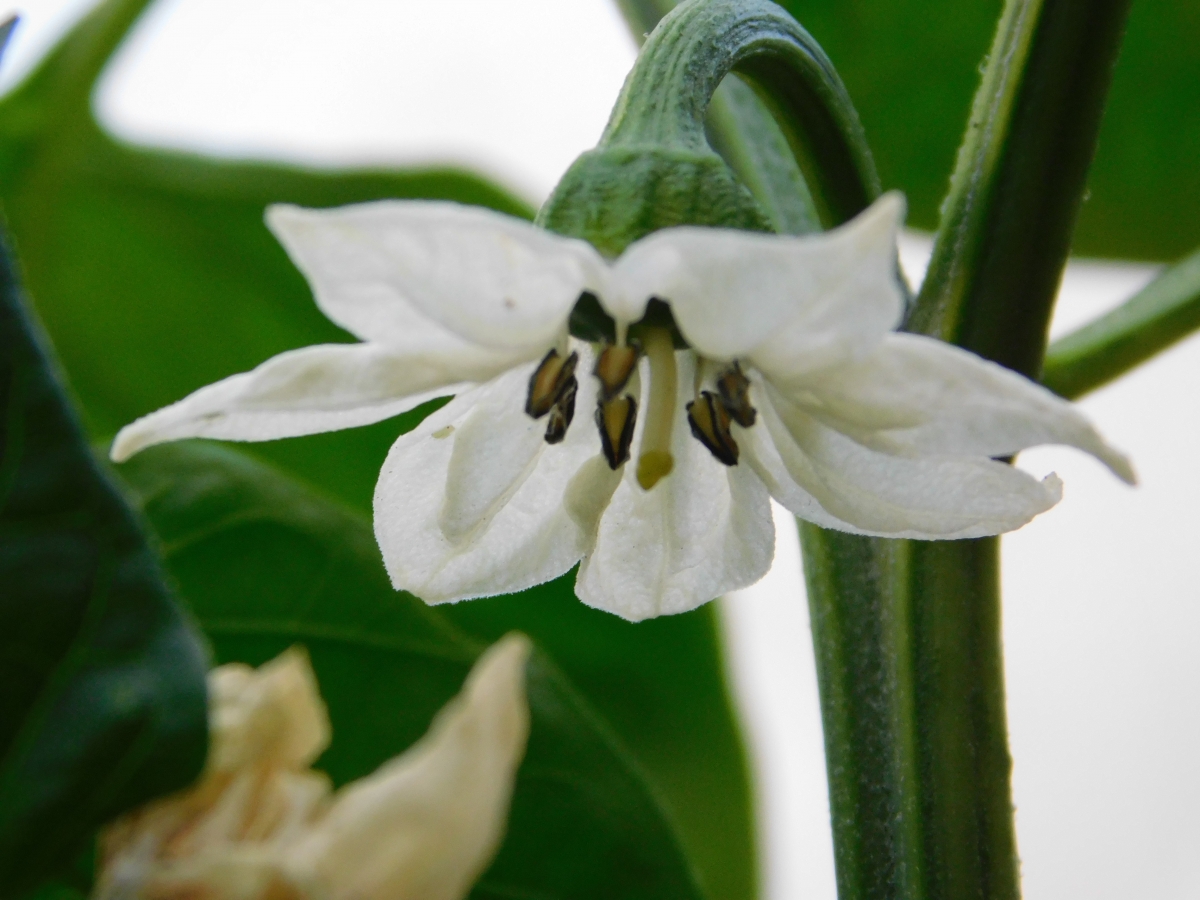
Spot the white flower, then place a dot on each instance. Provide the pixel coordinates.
(793, 384)
(261, 825)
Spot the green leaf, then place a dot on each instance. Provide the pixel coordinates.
(266, 563)
(155, 276)
(102, 697)
(912, 68)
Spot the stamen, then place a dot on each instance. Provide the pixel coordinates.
(562, 413)
(655, 461)
(548, 382)
(615, 418)
(734, 388)
(710, 425)
(614, 365)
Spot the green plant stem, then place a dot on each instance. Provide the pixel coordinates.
(860, 641)
(1162, 313)
(1015, 193)
(997, 261)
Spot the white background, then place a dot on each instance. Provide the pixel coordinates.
(1101, 617)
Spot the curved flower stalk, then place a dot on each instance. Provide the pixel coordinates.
(261, 825)
(737, 366)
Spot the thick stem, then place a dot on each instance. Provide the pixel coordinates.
(860, 639)
(929, 689)
(998, 259)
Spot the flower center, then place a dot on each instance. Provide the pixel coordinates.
(553, 386)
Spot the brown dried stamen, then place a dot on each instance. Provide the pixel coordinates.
(734, 389)
(615, 418)
(548, 382)
(709, 420)
(614, 365)
(562, 413)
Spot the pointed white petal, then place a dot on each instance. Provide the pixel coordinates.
(269, 716)
(795, 300)
(507, 525)
(760, 454)
(310, 390)
(495, 449)
(426, 825)
(915, 394)
(932, 497)
(703, 530)
(403, 270)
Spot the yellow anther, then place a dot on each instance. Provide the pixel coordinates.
(548, 382)
(562, 413)
(614, 365)
(615, 418)
(734, 388)
(709, 420)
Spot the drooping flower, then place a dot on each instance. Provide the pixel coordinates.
(261, 825)
(734, 366)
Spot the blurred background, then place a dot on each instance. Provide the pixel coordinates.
(1101, 610)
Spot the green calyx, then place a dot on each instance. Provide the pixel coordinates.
(654, 167)
(616, 194)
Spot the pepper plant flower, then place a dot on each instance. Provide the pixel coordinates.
(738, 366)
(260, 824)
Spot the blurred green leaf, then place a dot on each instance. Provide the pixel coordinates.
(155, 275)
(102, 698)
(266, 563)
(912, 68)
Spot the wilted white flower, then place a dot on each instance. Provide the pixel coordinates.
(261, 825)
(740, 366)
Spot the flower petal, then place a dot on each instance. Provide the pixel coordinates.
(425, 826)
(314, 389)
(796, 300)
(703, 530)
(269, 716)
(406, 270)
(932, 497)
(507, 525)
(914, 394)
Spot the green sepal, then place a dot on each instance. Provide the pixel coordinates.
(612, 196)
(654, 167)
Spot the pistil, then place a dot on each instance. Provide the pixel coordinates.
(655, 461)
